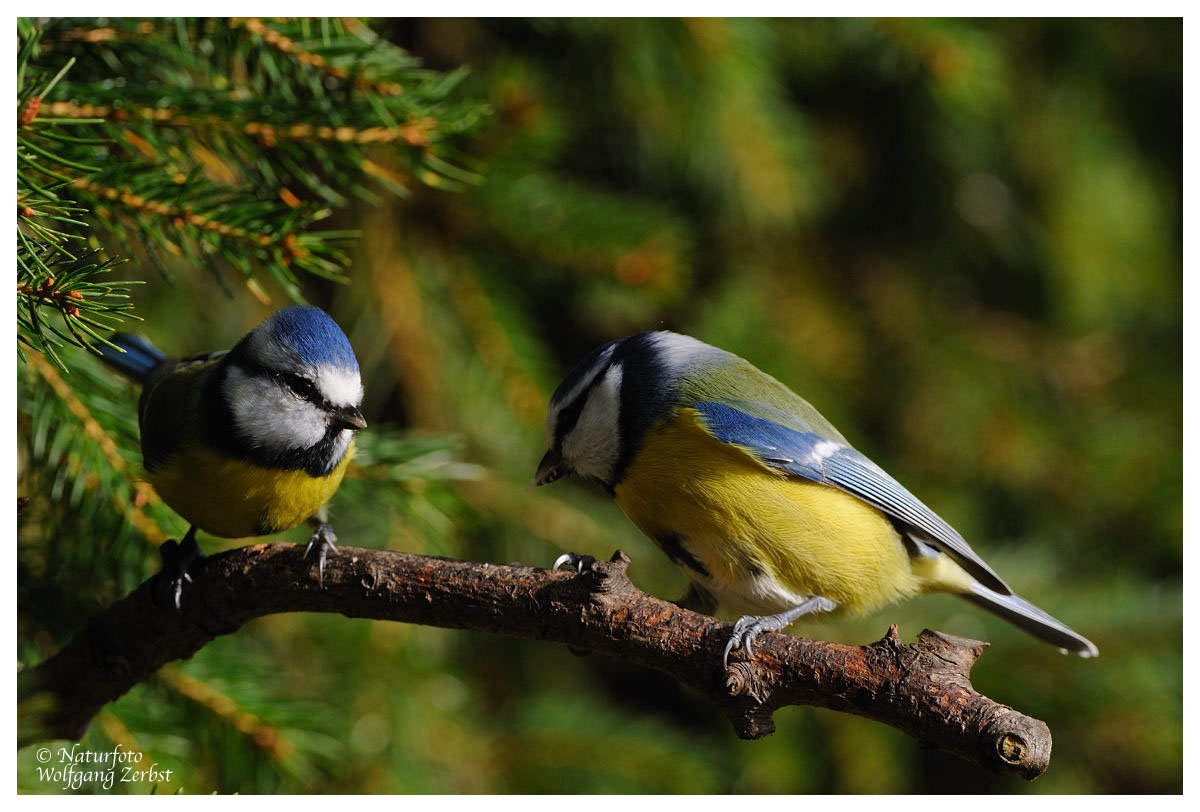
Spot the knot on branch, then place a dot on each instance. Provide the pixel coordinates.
(744, 679)
(747, 698)
(946, 655)
(751, 720)
(957, 653)
(1020, 743)
(596, 589)
(608, 579)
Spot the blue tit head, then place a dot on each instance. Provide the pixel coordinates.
(603, 408)
(293, 390)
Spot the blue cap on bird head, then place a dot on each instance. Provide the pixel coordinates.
(312, 335)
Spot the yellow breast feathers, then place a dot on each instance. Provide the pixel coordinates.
(232, 498)
(758, 540)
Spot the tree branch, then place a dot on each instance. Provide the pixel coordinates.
(922, 689)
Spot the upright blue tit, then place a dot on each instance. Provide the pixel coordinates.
(253, 440)
(760, 500)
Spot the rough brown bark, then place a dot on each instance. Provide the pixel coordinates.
(922, 689)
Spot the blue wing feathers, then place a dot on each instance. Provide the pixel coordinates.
(139, 358)
(830, 462)
(782, 447)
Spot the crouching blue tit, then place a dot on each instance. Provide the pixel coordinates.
(761, 502)
(250, 441)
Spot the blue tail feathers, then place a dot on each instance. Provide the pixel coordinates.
(139, 359)
(1022, 613)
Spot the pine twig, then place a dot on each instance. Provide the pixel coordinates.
(144, 494)
(416, 133)
(290, 47)
(922, 689)
(139, 203)
(224, 707)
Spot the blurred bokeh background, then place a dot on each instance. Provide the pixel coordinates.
(960, 240)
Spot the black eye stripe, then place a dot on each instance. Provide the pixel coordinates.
(301, 387)
(291, 381)
(569, 417)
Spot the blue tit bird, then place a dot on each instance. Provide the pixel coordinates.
(761, 502)
(250, 441)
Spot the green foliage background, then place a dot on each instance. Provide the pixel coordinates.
(960, 240)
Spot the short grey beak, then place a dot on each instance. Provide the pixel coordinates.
(349, 418)
(550, 468)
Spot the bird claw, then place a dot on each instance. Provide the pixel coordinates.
(325, 541)
(581, 563)
(749, 627)
(178, 559)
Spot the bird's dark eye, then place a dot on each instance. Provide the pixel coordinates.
(301, 387)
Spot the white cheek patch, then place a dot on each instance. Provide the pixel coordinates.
(339, 385)
(340, 444)
(591, 448)
(269, 417)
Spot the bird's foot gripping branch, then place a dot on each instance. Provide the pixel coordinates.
(922, 689)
